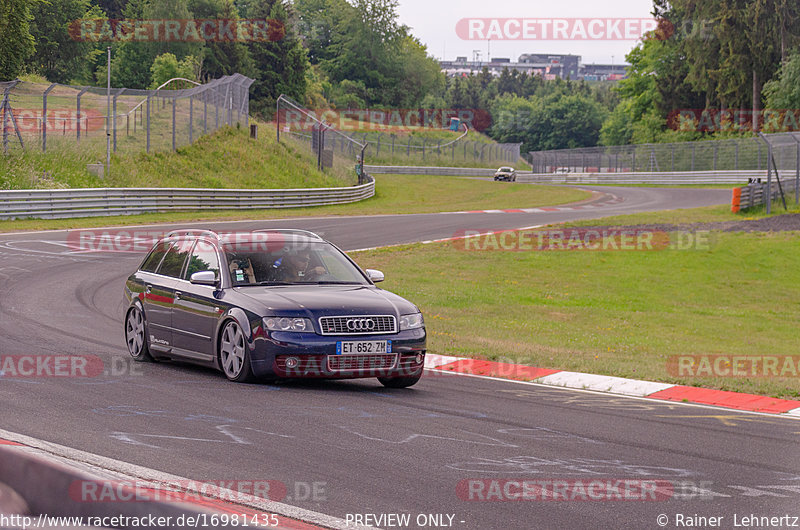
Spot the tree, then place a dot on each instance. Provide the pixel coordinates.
(557, 121)
(321, 23)
(16, 41)
(281, 63)
(368, 48)
(166, 66)
(783, 92)
(222, 57)
(59, 56)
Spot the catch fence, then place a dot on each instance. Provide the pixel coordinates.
(51, 117)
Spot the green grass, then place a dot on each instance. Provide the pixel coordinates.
(227, 158)
(395, 194)
(615, 313)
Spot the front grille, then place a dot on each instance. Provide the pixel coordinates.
(358, 325)
(354, 363)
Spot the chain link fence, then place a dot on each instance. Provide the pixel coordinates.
(422, 146)
(334, 150)
(52, 117)
(712, 155)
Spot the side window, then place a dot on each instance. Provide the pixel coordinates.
(175, 258)
(151, 262)
(204, 258)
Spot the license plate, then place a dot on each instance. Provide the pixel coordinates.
(363, 347)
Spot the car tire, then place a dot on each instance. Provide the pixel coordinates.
(400, 382)
(136, 334)
(234, 355)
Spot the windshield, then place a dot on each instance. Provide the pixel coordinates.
(299, 262)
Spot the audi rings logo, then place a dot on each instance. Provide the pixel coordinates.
(360, 324)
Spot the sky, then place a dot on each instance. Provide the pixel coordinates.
(434, 23)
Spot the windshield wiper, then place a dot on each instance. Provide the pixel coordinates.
(274, 283)
(327, 282)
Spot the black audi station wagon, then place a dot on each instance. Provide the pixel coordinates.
(270, 304)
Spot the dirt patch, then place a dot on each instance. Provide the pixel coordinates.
(778, 223)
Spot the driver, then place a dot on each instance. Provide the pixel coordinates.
(294, 267)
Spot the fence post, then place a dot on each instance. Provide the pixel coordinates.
(79, 113)
(114, 121)
(44, 116)
(768, 198)
(205, 111)
(191, 119)
(634, 159)
(5, 120)
(148, 121)
(174, 103)
(736, 162)
(694, 148)
(423, 148)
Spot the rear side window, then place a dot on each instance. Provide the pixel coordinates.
(172, 265)
(204, 258)
(151, 262)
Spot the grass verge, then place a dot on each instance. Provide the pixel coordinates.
(395, 194)
(620, 313)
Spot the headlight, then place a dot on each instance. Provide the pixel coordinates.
(287, 324)
(414, 321)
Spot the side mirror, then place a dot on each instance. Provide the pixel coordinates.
(204, 278)
(375, 276)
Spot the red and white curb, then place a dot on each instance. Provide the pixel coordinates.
(608, 200)
(46, 458)
(613, 385)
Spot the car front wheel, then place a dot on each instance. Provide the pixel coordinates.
(233, 354)
(136, 335)
(400, 382)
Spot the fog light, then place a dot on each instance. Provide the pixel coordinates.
(292, 362)
(419, 358)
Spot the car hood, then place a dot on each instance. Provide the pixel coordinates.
(314, 301)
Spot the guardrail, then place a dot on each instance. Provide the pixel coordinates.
(96, 202)
(755, 194)
(434, 171)
(678, 177)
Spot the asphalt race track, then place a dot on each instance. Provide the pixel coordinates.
(375, 450)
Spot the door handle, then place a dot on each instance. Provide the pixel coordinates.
(148, 288)
(177, 295)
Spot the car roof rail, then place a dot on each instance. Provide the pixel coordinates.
(306, 233)
(192, 232)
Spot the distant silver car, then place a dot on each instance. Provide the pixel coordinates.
(507, 174)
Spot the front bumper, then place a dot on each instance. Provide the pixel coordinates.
(315, 356)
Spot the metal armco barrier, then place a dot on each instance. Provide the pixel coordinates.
(437, 171)
(754, 194)
(96, 202)
(680, 177)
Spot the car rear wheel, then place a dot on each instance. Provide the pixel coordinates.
(400, 382)
(233, 354)
(136, 335)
